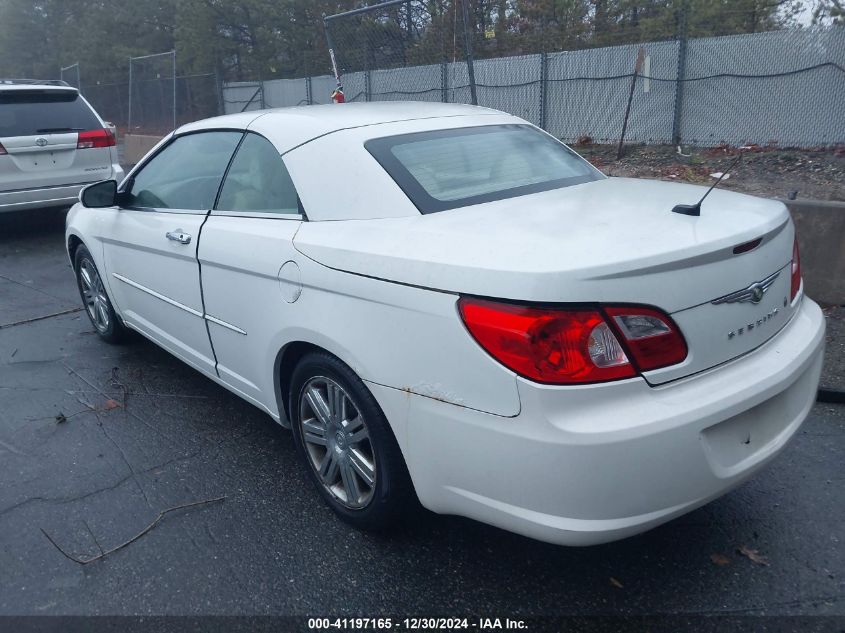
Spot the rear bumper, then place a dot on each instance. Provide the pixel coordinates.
(592, 464)
(45, 197)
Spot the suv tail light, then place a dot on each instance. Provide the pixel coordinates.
(2, 150)
(573, 346)
(795, 269)
(95, 138)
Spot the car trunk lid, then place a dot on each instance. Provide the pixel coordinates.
(610, 241)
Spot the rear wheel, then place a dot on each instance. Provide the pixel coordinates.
(97, 304)
(352, 455)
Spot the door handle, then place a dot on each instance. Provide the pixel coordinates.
(179, 236)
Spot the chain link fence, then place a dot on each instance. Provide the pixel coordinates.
(111, 101)
(402, 49)
(70, 75)
(198, 96)
(779, 87)
(152, 93)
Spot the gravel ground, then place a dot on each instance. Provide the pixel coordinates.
(767, 172)
(833, 374)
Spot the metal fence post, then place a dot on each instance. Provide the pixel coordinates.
(468, 46)
(544, 91)
(218, 89)
(174, 89)
(368, 85)
(261, 88)
(309, 96)
(444, 85)
(78, 79)
(681, 75)
(129, 117)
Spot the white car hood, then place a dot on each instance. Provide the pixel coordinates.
(612, 240)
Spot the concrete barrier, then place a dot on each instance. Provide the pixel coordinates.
(136, 146)
(821, 240)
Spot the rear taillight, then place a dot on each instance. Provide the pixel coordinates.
(573, 346)
(653, 339)
(2, 150)
(795, 269)
(95, 138)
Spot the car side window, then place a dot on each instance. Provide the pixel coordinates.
(258, 181)
(186, 174)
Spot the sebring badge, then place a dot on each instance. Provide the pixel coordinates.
(754, 324)
(753, 294)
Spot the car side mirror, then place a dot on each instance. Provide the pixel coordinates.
(99, 195)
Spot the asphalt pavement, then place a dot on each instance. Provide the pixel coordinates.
(97, 440)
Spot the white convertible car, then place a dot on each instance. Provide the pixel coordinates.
(447, 304)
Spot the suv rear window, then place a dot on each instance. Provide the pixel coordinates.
(31, 112)
(446, 169)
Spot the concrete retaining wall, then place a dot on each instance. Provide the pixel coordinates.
(821, 239)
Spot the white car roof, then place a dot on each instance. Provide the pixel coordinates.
(288, 128)
(36, 86)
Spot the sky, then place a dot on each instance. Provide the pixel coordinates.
(805, 17)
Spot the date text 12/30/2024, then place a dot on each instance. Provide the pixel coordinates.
(416, 624)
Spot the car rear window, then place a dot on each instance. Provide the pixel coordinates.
(446, 169)
(31, 112)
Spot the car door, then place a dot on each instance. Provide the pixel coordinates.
(150, 244)
(250, 277)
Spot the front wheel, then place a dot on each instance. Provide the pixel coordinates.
(95, 299)
(352, 455)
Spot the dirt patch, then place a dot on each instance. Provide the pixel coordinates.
(764, 171)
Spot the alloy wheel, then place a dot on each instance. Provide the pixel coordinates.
(94, 295)
(337, 441)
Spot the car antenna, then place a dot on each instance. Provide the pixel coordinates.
(695, 209)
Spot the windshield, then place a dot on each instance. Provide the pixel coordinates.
(447, 169)
(31, 112)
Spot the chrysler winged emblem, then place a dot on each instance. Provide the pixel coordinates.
(752, 294)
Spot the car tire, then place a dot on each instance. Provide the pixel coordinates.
(354, 434)
(95, 299)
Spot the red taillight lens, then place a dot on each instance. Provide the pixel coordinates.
(95, 138)
(572, 346)
(796, 270)
(547, 345)
(653, 339)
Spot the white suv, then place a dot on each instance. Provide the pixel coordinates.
(52, 143)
